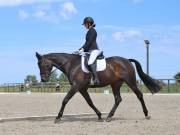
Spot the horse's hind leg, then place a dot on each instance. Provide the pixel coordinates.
(86, 96)
(132, 84)
(118, 99)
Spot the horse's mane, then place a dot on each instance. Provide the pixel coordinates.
(67, 55)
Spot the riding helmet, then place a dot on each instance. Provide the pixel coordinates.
(88, 20)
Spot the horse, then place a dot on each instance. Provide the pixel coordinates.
(119, 70)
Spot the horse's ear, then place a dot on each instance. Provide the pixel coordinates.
(38, 55)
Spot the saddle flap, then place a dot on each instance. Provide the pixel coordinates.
(101, 63)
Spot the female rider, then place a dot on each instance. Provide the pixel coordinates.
(91, 47)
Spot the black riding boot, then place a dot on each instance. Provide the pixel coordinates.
(94, 73)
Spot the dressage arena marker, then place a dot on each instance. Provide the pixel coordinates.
(45, 117)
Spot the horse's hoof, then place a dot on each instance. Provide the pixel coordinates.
(148, 117)
(100, 119)
(108, 119)
(57, 120)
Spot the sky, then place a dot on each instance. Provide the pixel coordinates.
(46, 26)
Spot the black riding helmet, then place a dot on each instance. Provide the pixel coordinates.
(89, 20)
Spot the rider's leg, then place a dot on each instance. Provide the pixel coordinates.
(93, 55)
(92, 65)
(92, 68)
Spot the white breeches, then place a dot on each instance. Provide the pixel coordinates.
(93, 55)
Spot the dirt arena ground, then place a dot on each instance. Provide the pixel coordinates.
(128, 120)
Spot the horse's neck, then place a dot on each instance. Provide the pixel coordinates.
(63, 61)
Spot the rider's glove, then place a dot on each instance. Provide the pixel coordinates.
(81, 50)
(76, 52)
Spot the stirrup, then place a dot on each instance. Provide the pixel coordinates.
(97, 82)
(92, 82)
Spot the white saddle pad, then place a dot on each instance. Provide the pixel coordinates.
(101, 65)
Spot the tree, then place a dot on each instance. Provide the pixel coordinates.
(63, 78)
(177, 76)
(54, 77)
(30, 79)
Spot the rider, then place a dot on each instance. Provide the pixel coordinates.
(91, 46)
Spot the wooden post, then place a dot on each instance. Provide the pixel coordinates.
(168, 86)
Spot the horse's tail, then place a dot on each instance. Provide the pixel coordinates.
(150, 83)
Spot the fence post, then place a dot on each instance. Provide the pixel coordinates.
(8, 87)
(19, 85)
(140, 85)
(168, 86)
(176, 87)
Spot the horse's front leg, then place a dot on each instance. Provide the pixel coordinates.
(69, 95)
(86, 96)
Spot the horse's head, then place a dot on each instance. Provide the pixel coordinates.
(45, 67)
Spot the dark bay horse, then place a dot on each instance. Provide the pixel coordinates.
(118, 71)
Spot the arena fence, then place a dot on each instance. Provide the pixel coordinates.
(168, 86)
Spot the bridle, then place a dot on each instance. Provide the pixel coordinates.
(57, 66)
(53, 71)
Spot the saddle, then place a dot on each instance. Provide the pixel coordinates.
(100, 62)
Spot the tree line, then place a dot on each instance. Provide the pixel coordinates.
(54, 78)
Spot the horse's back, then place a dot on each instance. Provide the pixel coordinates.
(120, 64)
(117, 59)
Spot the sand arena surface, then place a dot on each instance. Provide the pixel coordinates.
(128, 120)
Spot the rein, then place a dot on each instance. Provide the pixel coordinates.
(53, 71)
(58, 67)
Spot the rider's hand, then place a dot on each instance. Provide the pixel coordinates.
(76, 52)
(81, 50)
